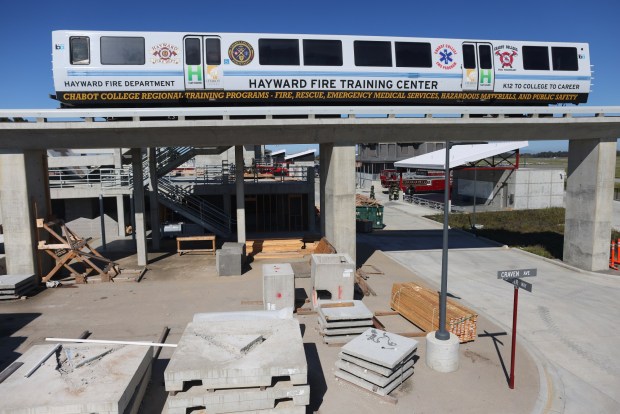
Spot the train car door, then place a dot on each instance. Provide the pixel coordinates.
(202, 62)
(478, 69)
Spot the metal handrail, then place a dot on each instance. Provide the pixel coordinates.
(102, 178)
(435, 205)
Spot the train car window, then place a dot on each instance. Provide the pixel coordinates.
(485, 56)
(278, 52)
(413, 55)
(469, 57)
(564, 58)
(80, 50)
(322, 52)
(213, 51)
(122, 50)
(192, 51)
(535, 58)
(372, 53)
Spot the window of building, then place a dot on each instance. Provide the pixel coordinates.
(322, 52)
(278, 52)
(192, 51)
(535, 58)
(80, 50)
(122, 50)
(413, 55)
(372, 53)
(213, 54)
(564, 58)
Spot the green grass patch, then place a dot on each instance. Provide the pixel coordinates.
(537, 231)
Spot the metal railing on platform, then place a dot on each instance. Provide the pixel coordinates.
(81, 177)
(424, 202)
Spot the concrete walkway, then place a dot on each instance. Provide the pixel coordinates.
(567, 322)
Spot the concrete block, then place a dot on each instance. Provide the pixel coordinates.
(216, 353)
(371, 366)
(373, 377)
(338, 339)
(344, 323)
(241, 399)
(345, 330)
(228, 262)
(442, 356)
(344, 313)
(15, 281)
(334, 273)
(381, 348)
(278, 286)
(383, 391)
(113, 382)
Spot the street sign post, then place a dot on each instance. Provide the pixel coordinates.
(512, 277)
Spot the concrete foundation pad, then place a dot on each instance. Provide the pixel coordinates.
(370, 376)
(113, 382)
(373, 367)
(242, 399)
(382, 348)
(383, 391)
(442, 356)
(206, 353)
(355, 312)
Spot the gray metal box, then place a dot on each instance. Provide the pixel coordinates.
(278, 286)
(334, 273)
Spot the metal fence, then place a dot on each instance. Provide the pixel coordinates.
(104, 178)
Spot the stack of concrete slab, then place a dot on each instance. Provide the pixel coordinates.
(278, 286)
(341, 321)
(238, 366)
(16, 286)
(334, 273)
(79, 378)
(378, 361)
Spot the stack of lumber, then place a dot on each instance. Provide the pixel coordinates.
(324, 247)
(279, 248)
(362, 200)
(421, 307)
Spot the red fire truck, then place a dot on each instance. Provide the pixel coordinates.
(420, 181)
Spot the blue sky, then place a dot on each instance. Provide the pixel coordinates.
(25, 31)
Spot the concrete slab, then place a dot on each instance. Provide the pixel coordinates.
(239, 399)
(372, 377)
(344, 323)
(383, 391)
(282, 407)
(206, 353)
(357, 311)
(15, 281)
(346, 330)
(112, 383)
(373, 367)
(338, 339)
(382, 348)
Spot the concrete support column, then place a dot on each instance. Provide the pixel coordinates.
(240, 192)
(24, 184)
(120, 205)
(310, 192)
(589, 208)
(154, 203)
(138, 200)
(338, 202)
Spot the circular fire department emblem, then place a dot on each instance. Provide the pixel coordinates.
(506, 58)
(241, 53)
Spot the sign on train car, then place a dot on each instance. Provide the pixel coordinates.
(126, 69)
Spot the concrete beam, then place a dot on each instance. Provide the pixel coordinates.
(240, 194)
(338, 197)
(138, 200)
(589, 207)
(153, 201)
(24, 196)
(342, 131)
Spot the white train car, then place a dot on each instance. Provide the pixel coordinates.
(129, 69)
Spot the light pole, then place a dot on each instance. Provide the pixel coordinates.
(442, 334)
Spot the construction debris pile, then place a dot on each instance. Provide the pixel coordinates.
(377, 361)
(16, 286)
(80, 378)
(341, 321)
(227, 366)
(421, 307)
(364, 201)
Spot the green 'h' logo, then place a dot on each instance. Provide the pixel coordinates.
(486, 76)
(194, 71)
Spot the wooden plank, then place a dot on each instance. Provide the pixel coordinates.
(386, 313)
(338, 305)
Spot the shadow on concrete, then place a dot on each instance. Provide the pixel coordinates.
(496, 341)
(156, 394)
(316, 379)
(9, 324)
